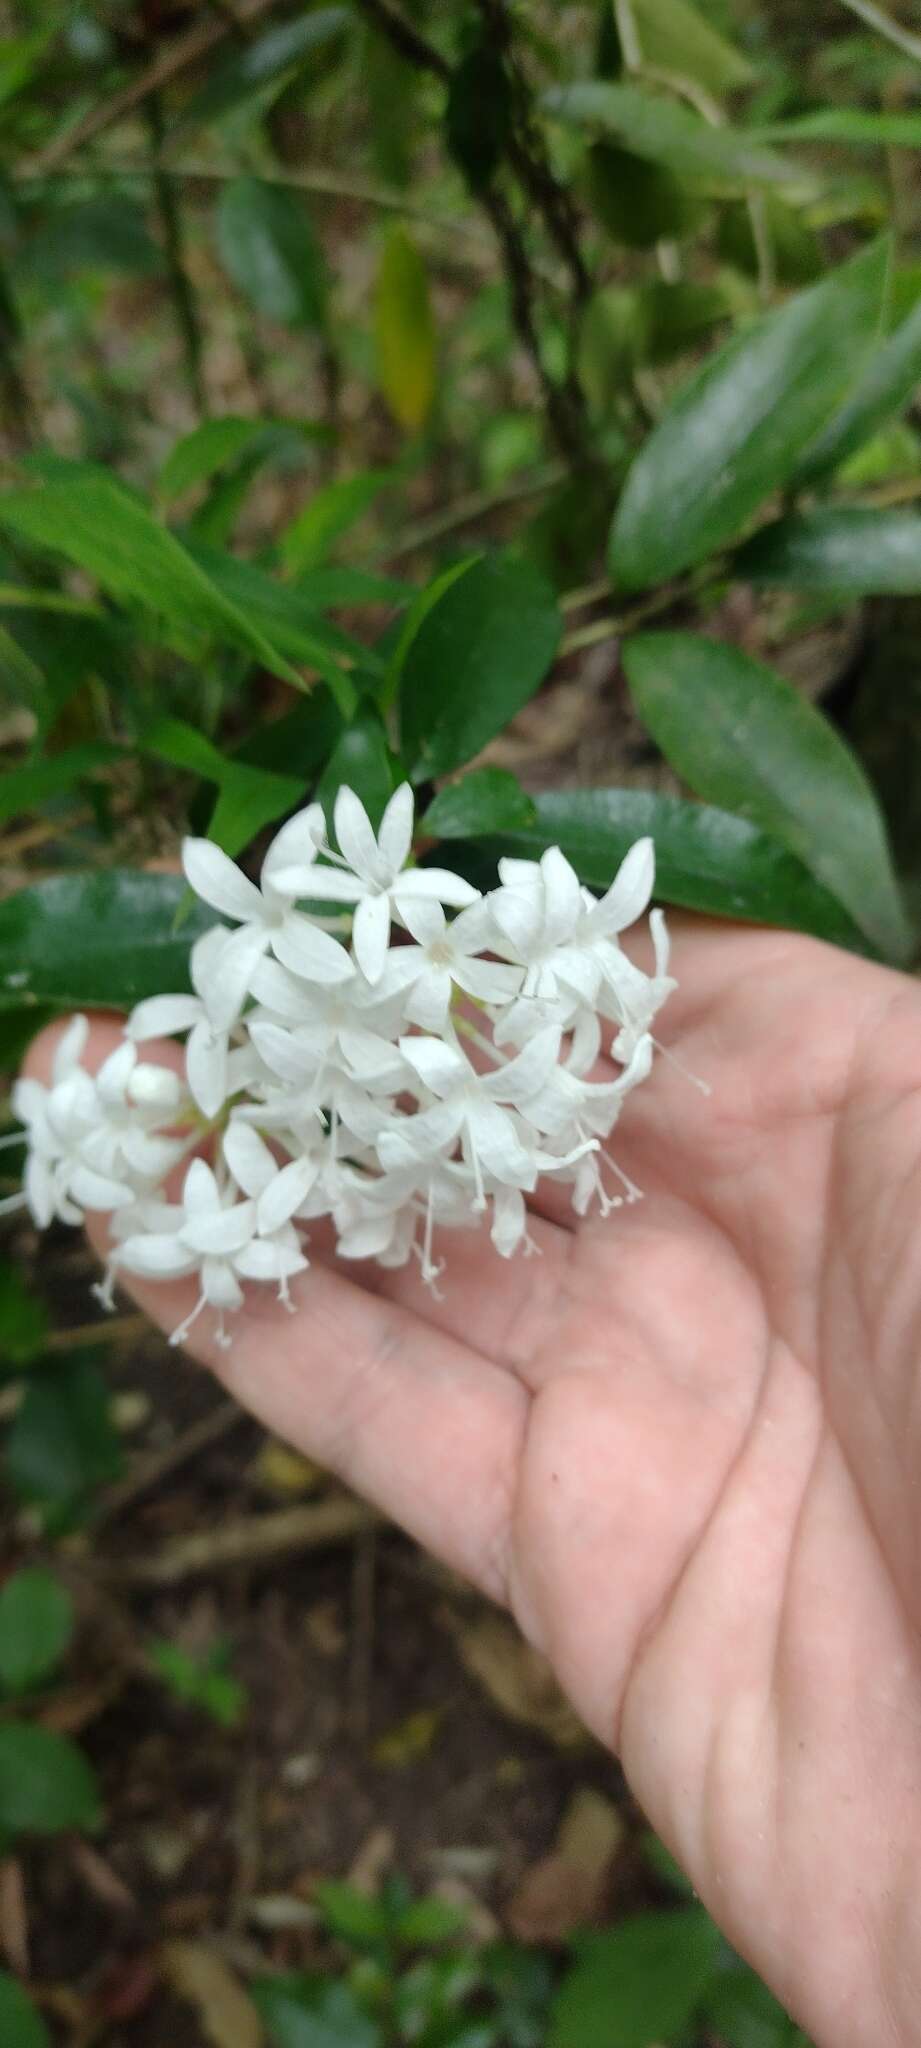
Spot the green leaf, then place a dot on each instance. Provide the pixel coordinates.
(353, 1916)
(267, 245)
(887, 386)
(271, 59)
(675, 37)
(637, 1984)
(404, 331)
(108, 232)
(848, 124)
(23, 1319)
(745, 2014)
(733, 436)
(479, 654)
(204, 451)
(327, 515)
(313, 2013)
(426, 1922)
(361, 760)
(101, 940)
(638, 202)
(24, 788)
(100, 528)
(796, 252)
(249, 798)
(202, 1682)
(705, 859)
(675, 317)
(46, 1782)
(301, 740)
(849, 551)
(62, 1443)
(341, 585)
(423, 602)
(743, 737)
(36, 1625)
(478, 114)
(20, 2025)
(486, 800)
(667, 133)
(279, 609)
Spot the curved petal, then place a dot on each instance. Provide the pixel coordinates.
(354, 833)
(437, 882)
(156, 1257)
(283, 1055)
(371, 935)
(440, 1067)
(630, 890)
(285, 1193)
(219, 882)
(96, 1191)
(219, 1285)
(424, 919)
(396, 834)
(160, 1016)
(563, 906)
(200, 1192)
(230, 983)
(69, 1049)
(206, 1068)
(491, 981)
(311, 952)
(429, 1001)
(218, 1235)
(253, 1166)
(264, 1260)
(296, 844)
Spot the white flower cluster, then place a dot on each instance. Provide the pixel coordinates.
(330, 1072)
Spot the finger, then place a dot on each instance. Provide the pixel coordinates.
(415, 1420)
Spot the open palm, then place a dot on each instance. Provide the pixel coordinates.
(682, 1445)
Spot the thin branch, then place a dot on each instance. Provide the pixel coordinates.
(893, 31)
(528, 157)
(469, 509)
(151, 1471)
(405, 39)
(260, 1541)
(176, 58)
(185, 304)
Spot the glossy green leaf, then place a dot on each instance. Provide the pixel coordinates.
(677, 38)
(668, 133)
(298, 742)
(21, 2026)
(205, 450)
(744, 738)
(35, 783)
(99, 940)
(639, 203)
(267, 245)
(268, 60)
(46, 1782)
(337, 584)
(423, 602)
(36, 1626)
(745, 2014)
(404, 331)
(102, 530)
(249, 797)
(735, 433)
(327, 515)
(487, 800)
(303, 2012)
(62, 1443)
(480, 653)
(637, 1984)
(849, 551)
(361, 760)
(706, 859)
(887, 386)
(296, 628)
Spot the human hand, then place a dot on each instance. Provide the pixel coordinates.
(682, 1446)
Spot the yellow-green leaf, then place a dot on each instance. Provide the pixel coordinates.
(404, 328)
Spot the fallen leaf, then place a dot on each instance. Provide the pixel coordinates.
(283, 1472)
(408, 1740)
(568, 1888)
(518, 1679)
(14, 1922)
(374, 1858)
(228, 2017)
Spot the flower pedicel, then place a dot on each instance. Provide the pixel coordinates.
(394, 1088)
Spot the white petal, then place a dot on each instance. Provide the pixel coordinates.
(156, 1257)
(220, 1286)
(425, 920)
(150, 1156)
(154, 1088)
(296, 844)
(661, 943)
(96, 1191)
(200, 1190)
(233, 974)
(491, 981)
(219, 882)
(38, 1183)
(497, 1144)
(266, 1259)
(519, 916)
(396, 834)
(69, 1049)
(160, 1016)
(429, 1001)
(437, 882)
(440, 1067)
(371, 935)
(366, 1240)
(320, 884)
(528, 1071)
(282, 993)
(282, 1199)
(630, 890)
(357, 843)
(510, 1220)
(562, 897)
(253, 1166)
(219, 1235)
(206, 1068)
(284, 1055)
(304, 947)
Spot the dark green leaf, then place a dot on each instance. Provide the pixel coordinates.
(795, 249)
(478, 114)
(270, 59)
(46, 1783)
(667, 133)
(743, 737)
(332, 586)
(849, 550)
(705, 859)
(36, 1625)
(267, 245)
(300, 741)
(314, 2014)
(486, 800)
(361, 760)
(354, 1916)
(106, 233)
(637, 1984)
(249, 797)
(204, 451)
(887, 386)
(327, 515)
(638, 202)
(295, 627)
(99, 527)
(479, 654)
(736, 432)
(96, 940)
(743, 2012)
(20, 2025)
(675, 317)
(62, 1443)
(23, 788)
(23, 1319)
(404, 331)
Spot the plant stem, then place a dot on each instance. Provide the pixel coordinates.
(893, 31)
(185, 304)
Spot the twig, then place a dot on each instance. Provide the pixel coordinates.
(187, 48)
(614, 628)
(529, 159)
(464, 511)
(150, 1472)
(185, 304)
(108, 1330)
(893, 31)
(285, 1534)
(405, 39)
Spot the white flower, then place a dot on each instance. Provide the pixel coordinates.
(373, 875)
(558, 930)
(215, 1235)
(265, 915)
(448, 956)
(475, 1109)
(207, 1047)
(94, 1144)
